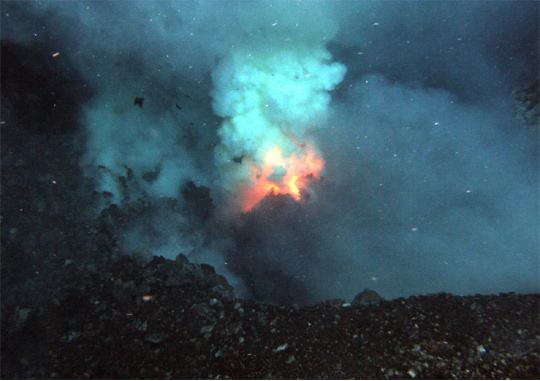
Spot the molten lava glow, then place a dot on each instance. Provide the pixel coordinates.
(281, 175)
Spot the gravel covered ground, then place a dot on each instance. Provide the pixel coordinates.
(174, 319)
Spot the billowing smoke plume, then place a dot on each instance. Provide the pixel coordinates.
(271, 96)
(368, 144)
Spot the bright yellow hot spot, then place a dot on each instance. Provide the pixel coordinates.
(293, 174)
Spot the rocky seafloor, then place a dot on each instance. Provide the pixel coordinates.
(175, 319)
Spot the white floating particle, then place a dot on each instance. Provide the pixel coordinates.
(468, 191)
(374, 278)
(281, 348)
(481, 350)
(274, 23)
(414, 229)
(436, 123)
(54, 181)
(147, 297)
(55, 54)
(376, 24)
(307, 75)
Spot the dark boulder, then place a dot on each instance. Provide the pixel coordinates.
(367, 297)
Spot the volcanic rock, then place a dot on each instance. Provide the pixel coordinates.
(366, 297)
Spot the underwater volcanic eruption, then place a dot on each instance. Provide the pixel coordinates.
(195, 190)
(271, 98)
(411, 177)
(280, 174)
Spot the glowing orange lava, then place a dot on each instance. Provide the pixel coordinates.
(281, 175)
